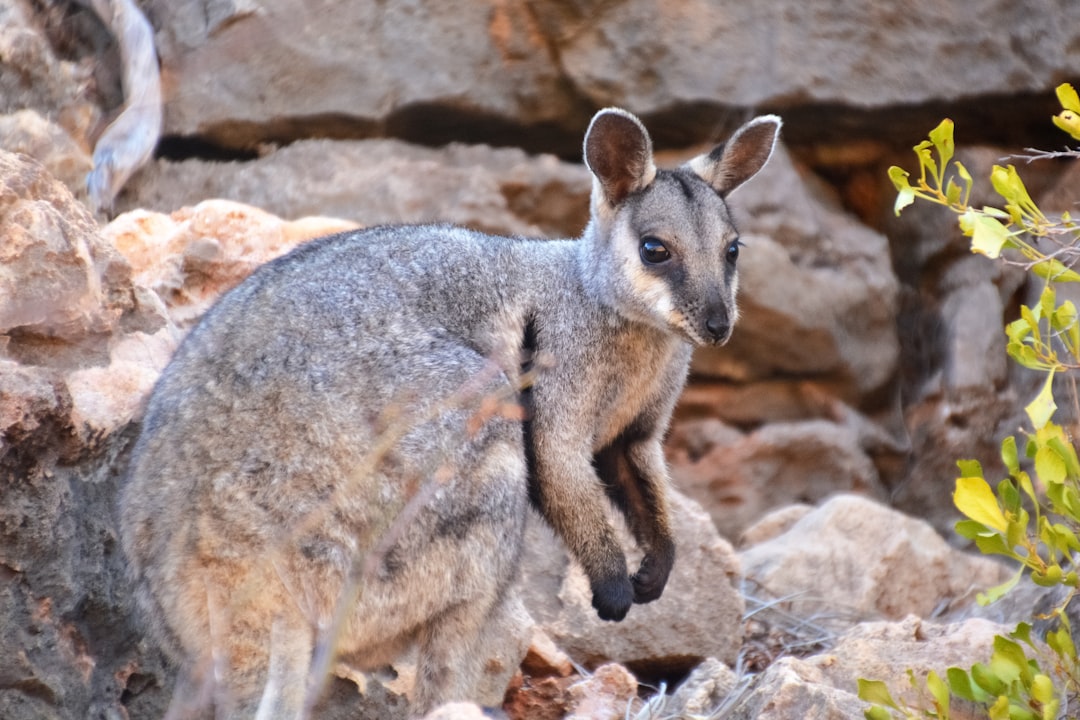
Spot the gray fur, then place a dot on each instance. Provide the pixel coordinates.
(347, 417)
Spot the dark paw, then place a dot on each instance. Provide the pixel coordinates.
(652, 576)
(613, 598)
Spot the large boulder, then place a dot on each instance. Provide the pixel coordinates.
(860, 559)
(784, 52)
(384, 181)
(239, 72)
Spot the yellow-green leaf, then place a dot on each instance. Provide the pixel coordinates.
(1068, 121)
(1000, 709)
(1009, 455)
(999, 591)
(875, 691)
(1067, 96)
(986, 679)
(1053, 269)
(905, 194)
(988, 235)
(940, 691)
(1049, 465)
(942, 137)
(1042, 688)
(1042, 408)
(974, 498)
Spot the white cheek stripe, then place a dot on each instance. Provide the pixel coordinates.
(652, 291)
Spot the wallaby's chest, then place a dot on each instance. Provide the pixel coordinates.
(615, 376)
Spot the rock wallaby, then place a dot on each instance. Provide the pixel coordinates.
(343, 451)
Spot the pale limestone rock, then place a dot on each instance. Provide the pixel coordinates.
(457, 711)
(499, 190)
(792, 688)
(859, 558)
(58, 278)
(106, 398)
(826, 685)
(28, 132)
(774, 524)
(191, 257)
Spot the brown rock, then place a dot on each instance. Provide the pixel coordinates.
(543, 698)
(608, 694)
(544, 658)
(653, 57)
(191, 257)
(27, 132)
(58, 279)
(779, 464)
(238, 75)
(853, 556)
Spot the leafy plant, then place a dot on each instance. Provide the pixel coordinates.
(1033, 515)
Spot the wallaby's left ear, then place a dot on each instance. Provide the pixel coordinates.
(618, 151)
(731, 164)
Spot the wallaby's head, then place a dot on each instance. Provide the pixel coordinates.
(661, 247)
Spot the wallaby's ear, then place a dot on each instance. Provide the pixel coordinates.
(731, 164)
(618, 151)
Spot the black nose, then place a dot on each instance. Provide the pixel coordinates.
(718, 327)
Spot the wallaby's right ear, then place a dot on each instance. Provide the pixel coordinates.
(618, 151)
(731, 164)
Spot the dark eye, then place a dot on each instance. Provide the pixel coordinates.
(733, 252)
(653, 251)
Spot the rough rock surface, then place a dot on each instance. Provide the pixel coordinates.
(236, 68)
(381, 181)
(859, 559)
(33, 75)
(190, 257)
(825, 685)
(58, 279)
(417, 68)
(30, 133)
(779, 464)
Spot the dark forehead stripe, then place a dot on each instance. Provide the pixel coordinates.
(686, 180)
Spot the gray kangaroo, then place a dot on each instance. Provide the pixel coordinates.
(350, 440)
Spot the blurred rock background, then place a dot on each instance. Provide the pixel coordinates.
(869, 356)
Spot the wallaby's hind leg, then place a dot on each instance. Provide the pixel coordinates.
(470, 652)
(288, 679)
